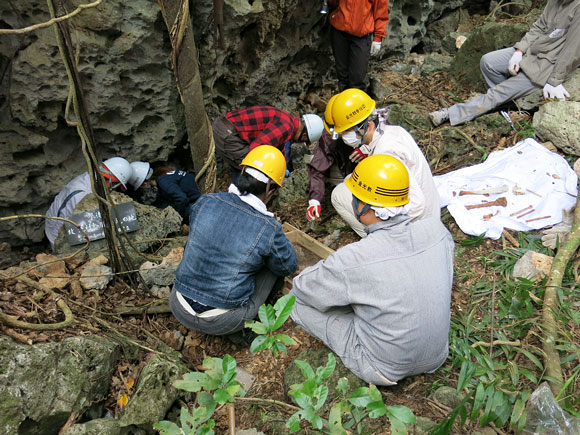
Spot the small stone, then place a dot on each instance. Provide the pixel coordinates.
(331, 238)
(448, 396)
(76, 288)
(577, 167)
(244, 378)
(96, 276)
(55, 274)
(549, 145)
(422, 426)
(173, 258)
(251, 431)
(533, 266)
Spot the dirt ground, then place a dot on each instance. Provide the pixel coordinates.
(94, 311)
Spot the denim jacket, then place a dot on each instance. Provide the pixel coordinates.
(229, 243)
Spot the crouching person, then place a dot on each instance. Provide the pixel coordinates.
(382, 304)
(235, 253)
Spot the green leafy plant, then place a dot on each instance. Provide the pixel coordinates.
(219, 378)
(525, 129)
(217, 385)
(271, 319)
(455, 97)
(473, 241)
(349, 410)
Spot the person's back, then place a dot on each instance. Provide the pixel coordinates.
(229, 242)
(65, 202)
(177, 189)
(402, 304)
(398, 283)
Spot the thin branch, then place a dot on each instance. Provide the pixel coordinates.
(15, 323)
(551, 305)
(49, 23)
(497, 342)
(268, 402)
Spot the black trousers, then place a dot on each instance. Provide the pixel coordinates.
(351, 55)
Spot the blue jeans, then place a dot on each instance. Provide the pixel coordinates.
(233, 320)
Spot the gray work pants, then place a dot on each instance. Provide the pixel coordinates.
(336, 329)
(233, 320)
(503, 87)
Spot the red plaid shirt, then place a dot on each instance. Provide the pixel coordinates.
(264, 125)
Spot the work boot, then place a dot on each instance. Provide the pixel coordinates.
(242, 338)
(439, 117)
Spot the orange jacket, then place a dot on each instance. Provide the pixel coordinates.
(360, 17)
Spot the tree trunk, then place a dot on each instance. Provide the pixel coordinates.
(185, 67)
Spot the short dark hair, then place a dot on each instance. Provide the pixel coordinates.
(247, 184)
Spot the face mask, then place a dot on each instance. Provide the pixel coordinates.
(351, 139)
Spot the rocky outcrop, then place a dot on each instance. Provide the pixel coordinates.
(489, 37)
(274, 52)
(42, 385)
(559, 122)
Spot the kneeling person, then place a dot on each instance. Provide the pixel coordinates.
(235, 252)
(382, 304)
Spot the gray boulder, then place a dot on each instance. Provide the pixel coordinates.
(489, 37)
(559, 123)
(41, 385)
(435, 63)
(154, 394)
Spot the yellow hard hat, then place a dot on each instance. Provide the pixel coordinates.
(381, 181)
(328, 121)
(269, 160)
(350, 108)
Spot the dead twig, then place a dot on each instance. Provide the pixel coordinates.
(15, 323)
(496, 342)
(231, 419)
(50, 22)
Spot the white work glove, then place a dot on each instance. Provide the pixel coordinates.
(375, 48)
(558, 233)
(314, 209)
(558, 92)
(514, 63)
(359, 154)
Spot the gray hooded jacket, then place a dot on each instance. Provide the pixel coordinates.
(552, 46)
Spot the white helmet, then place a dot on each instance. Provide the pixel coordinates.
(314, 126)
(118, 170)
(141, 171)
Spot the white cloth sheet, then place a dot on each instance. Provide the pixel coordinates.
(534, 178)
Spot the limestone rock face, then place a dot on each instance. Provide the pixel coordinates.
(274, 52)
(128, 86)
(41, 385)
